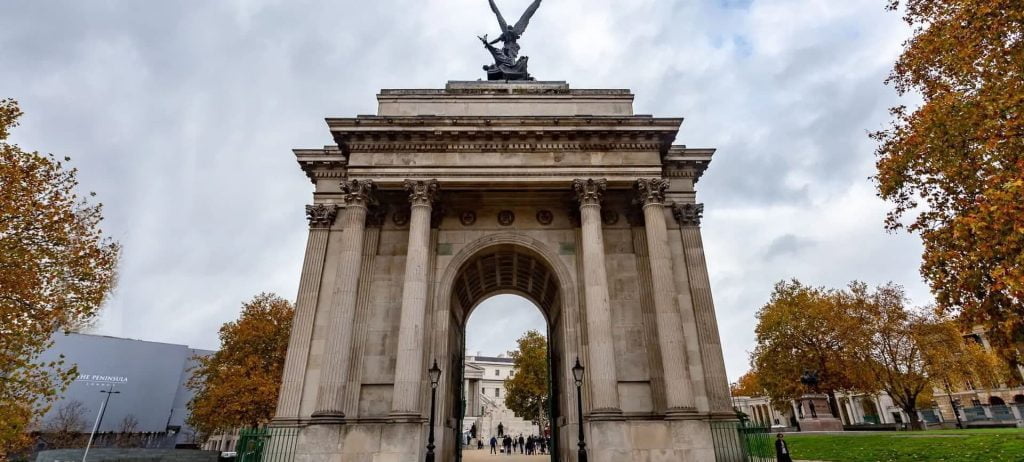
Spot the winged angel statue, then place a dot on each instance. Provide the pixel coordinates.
(507, 63)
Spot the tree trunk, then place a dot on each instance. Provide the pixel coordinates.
(915, 422)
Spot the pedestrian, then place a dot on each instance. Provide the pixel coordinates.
(782, 449)
(521, 441)
(494, 445)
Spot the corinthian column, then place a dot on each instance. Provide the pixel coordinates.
(715, 381)
(408, 365)
(321, 218)
(602, 378)
(678, 389)
(330, 400)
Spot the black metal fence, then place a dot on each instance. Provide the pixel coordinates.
(274, 444)
(742, 442)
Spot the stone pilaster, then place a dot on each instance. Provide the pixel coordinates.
(602, 376)
(408, 365)
(715, 381)
(678, 388)
(321, 218)
(330, 402)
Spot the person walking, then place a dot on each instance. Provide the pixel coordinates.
(494, 445)
(521, 444)
(782, 449)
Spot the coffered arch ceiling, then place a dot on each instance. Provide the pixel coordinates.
(506, 269)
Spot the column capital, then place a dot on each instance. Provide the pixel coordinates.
(358, 193)
(321, 216)
(422, 192)
(589, 191)
(688, 214)
(650, 191)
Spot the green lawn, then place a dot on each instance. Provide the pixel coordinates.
(996, 445)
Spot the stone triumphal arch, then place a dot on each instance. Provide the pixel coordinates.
(448, 196)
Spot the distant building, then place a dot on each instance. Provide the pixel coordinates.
(148, 376)
(976, 407)
(484, 394)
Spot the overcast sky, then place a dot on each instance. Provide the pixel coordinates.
(182, 115)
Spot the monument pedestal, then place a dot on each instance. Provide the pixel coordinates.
(815, 415)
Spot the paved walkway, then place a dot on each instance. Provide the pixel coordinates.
(485, 455)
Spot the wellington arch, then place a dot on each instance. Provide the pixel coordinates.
(448, 196)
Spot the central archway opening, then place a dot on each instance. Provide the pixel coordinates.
(498, 297)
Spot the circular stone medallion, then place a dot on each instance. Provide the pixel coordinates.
(609, 217)
(467, 218)
(401, 217)
(545, 217)
(506, 217)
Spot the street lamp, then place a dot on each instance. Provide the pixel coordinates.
(435, 376)
(99, 418)
(577, 375)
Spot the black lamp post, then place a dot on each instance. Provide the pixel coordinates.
(577, 375)
(435, 376)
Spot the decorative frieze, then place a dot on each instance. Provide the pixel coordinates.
(688, 214)
(467, 218)
(321, 215)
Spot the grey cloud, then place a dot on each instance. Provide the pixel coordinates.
(182, 117)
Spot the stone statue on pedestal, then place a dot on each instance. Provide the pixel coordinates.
(508, 65)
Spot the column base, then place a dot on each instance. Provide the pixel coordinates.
(605, 414)
(682, 413)
(406, 417)
(286, 422)
(328, 418)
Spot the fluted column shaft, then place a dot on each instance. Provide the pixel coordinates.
(330, 403)
(678, 388)
(715, 381)
(321, 218)
(408, 365)
(601, 373)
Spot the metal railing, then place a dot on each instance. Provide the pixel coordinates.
(267, 444)
(741, 442)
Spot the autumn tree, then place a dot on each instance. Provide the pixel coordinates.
(956, 163)
(56, 270)
(749, 384)
(527, 392)
(238, 385)
(799, 330)
(911, 351)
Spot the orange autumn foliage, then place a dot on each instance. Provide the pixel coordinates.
(238, 385)
(56, 270)
(956, 163)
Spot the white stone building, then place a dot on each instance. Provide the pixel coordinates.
(484, 392)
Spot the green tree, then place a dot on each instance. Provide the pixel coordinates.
(957, 162)
(238, 385)
(526, 393)
(56, 270)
